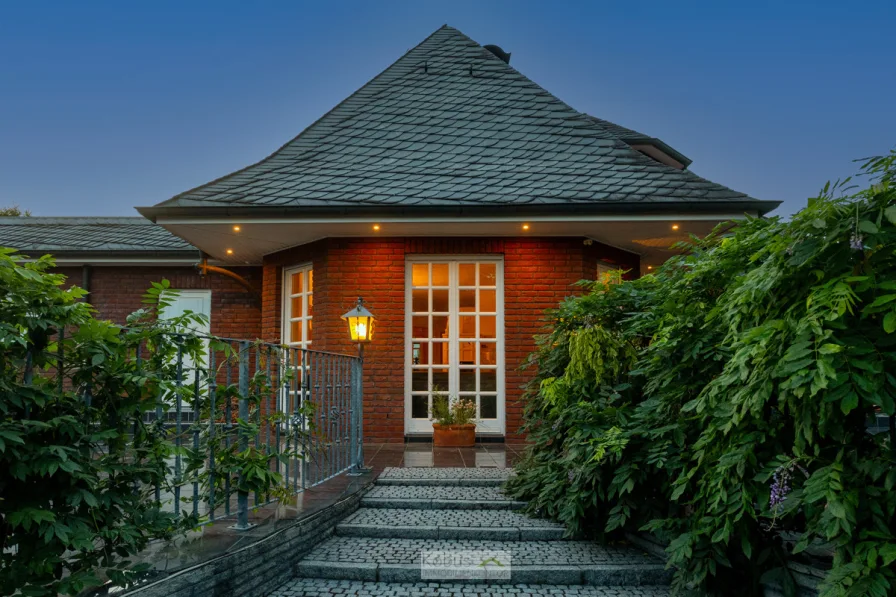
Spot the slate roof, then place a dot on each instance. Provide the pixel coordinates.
(451, 125)
(84, 235)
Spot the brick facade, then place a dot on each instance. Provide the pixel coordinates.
(538, 274)
(116, 291)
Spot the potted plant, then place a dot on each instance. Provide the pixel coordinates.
(454, 421)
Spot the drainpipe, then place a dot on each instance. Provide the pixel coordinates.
(85, 277)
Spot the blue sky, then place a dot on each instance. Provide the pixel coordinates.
(108, 105)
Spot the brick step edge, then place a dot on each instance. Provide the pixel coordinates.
(443, 482)
(627, 575)
(447, 532)
(435, 504)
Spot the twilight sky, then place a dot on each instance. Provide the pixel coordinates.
(108, 105)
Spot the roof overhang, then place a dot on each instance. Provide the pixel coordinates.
(202, 211)
(648, 235)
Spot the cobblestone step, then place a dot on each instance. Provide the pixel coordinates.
(328, 588)
(462, 477)
(500, 525)
(531, 562)
(428, 497)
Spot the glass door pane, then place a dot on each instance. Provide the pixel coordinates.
(478, 324)
(430, 358)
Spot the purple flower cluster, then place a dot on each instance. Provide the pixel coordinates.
(571, 475)
(856, 242)
(780, 487)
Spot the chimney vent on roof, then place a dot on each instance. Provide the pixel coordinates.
(497, 51)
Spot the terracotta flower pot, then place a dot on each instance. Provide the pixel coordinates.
(454, 436)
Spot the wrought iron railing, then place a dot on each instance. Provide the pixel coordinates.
(304, 405)
(234, 404)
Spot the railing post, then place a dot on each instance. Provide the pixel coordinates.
(178, 395)
(242, 498)
(305, 396)
(357, 417)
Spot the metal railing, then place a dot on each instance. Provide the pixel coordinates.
(303, 407)
(235, 411)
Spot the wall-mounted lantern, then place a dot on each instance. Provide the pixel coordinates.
(360, 324)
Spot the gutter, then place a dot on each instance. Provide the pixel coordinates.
(354, 210)
(115, 258)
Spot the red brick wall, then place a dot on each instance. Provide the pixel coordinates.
(538, 274)
(116, 292)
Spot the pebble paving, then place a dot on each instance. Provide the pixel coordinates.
(377, 550)
(447, 518)
(427, 473)
(328, 588)
(436, 492)
(366, 550)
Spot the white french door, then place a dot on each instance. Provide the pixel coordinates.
(454, 338)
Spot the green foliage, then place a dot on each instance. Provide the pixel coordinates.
(78, 463)
(71, 505)
(724, 400)
(13, 211)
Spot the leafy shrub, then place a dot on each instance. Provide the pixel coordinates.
(78, 462)
(724, 400)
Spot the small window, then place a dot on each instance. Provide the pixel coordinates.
(608, 273)
(298, 306)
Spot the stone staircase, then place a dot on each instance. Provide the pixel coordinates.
(377, 549)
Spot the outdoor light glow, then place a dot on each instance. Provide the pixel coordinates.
(674, 226)
(230, 251)
(360, 323)
(649, 267)
(236, 228)
(376, 226)
(525, 226)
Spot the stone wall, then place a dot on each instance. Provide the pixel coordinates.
(256, 569)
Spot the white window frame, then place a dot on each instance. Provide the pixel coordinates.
(489, 426)
(307, 294)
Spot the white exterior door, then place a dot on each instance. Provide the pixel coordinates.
(454, 338)
(197, 301)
